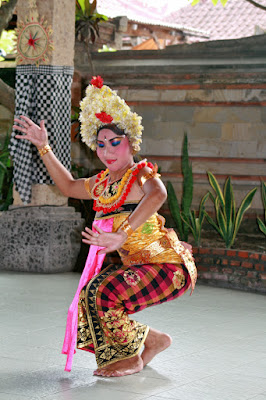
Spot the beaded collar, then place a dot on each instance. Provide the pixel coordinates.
(108, 202)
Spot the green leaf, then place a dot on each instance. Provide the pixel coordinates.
(246, 203)
(81, 4)
(215, 2)
(215, 185)
(262, 226)
(263, 194)
(2, 165)
(202, 208)
(221, 223)
(212, 197)
(194, 2)
(228, 202)
(233, 207)
(87, 10)
(188, 178)
(211, 222)
(174, 208)
(193, 219)
(224, 2)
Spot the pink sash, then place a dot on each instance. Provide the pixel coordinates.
(92, 267)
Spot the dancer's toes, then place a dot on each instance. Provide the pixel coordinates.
(99, 372)
(121, 368)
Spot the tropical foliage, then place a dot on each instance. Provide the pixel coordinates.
(195, 223)
(87, 25)
(87, 20)
(7, 43)
(228, 220)
(6, 176)
(187, 194)
(262, 225)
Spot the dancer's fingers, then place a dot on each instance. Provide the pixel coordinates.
(28, 120)
(42, 124)
(92, 233)
(21, 137)
(98, 229)
(88, 230)
(19, 128)
(22, 123)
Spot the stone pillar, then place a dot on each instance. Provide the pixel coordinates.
(60, 16)
(39, 233)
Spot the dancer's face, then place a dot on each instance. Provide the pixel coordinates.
(114, 150)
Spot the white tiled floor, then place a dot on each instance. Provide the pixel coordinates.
(218, 353)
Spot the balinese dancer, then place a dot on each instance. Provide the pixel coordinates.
(156, 266)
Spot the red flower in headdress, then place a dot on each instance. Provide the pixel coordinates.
(107, 119)
(97, 81)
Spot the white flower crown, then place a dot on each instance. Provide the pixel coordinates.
(102, 106)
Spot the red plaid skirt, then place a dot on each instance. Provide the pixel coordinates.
(104, 326)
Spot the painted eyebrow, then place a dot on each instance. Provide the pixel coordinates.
(116, 137)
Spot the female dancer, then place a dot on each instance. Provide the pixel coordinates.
(156, 266)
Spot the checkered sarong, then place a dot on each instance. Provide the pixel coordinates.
(106, 302)
(42, 92)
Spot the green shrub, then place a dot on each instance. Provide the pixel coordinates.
(228, 220)
(195, 223)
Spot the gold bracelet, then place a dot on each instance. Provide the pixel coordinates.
(149, 175)
(44, 150)
(125, 227)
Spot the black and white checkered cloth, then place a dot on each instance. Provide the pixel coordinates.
(42, 93)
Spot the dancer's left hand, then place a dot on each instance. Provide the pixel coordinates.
(111, 241)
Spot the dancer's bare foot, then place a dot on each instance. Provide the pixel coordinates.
(155, 342)
(121, 368)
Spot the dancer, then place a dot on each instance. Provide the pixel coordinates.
(156, 266)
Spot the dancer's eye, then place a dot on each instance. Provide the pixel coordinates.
(115, 143)
(100, 145)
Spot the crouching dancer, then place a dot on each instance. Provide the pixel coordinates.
(156, 266)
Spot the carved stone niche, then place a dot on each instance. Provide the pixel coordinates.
(43, 239)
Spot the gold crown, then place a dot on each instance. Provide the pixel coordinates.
(102, 106)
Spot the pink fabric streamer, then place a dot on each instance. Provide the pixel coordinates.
(92, 267)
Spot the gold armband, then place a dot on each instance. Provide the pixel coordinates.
(44, 150)
(87, 186)
(125, 227)
(149, 175)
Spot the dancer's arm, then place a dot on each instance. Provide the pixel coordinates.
(63, 179)
(154, 196)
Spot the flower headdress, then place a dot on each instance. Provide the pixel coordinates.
(102, 106)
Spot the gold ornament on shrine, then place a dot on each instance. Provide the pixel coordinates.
(34, 43)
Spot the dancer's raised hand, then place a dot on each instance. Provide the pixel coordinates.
(37, 135)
